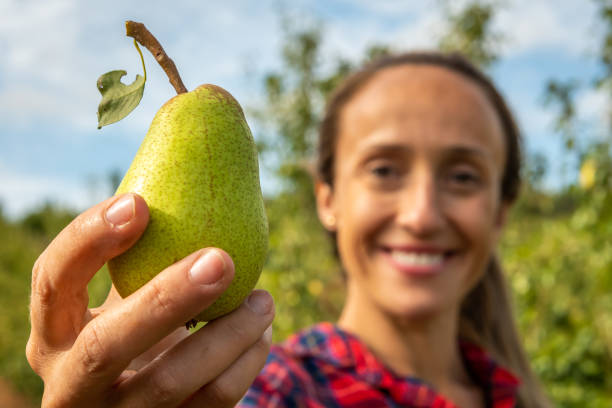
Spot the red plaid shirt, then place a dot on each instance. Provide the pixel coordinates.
(325, 366)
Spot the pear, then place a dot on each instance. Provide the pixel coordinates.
(198, 172)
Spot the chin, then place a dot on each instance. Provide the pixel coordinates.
(417, 311)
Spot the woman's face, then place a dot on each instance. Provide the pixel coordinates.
(416, 196)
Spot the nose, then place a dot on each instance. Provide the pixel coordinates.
(418, 207)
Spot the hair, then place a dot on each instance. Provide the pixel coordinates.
(486, 316)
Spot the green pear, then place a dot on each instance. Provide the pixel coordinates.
(197, 170)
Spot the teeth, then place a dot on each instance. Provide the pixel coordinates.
(417, 259)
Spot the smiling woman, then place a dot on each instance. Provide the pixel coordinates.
(418, 165)
(400, 191)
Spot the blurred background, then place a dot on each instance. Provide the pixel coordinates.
(552, 60)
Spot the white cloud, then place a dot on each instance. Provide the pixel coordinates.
(423, 33)
(349, 39)
(526, 26)
(567, 26)
(593, 108)
(50, 69)
(38, 38)
(535, 120)
(391, 7)
(20, 192)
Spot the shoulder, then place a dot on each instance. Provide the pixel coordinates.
(280, 381)
(498, 382)
(292, 375)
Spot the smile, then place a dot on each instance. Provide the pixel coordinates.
(418, 262)
(416, 258)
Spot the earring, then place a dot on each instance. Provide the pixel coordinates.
(330, 220)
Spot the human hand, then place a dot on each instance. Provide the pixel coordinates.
(133, 352)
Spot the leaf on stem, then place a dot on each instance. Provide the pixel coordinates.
(118, 99)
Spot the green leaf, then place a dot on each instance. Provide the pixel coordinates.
(118, 99)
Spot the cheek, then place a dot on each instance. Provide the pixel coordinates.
(476, 217)
(476, 221)
(360, 216)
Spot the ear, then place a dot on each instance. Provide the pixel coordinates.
(501, 218)
(325, 205)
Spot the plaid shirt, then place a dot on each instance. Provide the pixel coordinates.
(327, 367)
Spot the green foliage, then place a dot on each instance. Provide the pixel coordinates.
(469, 33)
(301, 271)
(560, 269)
(21, 242)
(118, 99)
(46, 221)
(18, 250)
(605, 54)
(561, 94)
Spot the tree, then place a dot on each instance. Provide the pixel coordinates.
(302, 272)
(561, 266)
(301, 268)
(469, 32)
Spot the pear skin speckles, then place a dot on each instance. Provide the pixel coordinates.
(197, 170)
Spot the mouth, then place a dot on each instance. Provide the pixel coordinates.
(418, 261)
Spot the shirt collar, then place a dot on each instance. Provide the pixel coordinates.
(327, 342)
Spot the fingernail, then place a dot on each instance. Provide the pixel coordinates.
(267, 335)
(208, 269)
(122, 211)
(259, 302)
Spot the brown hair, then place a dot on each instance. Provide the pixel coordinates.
(486, 313)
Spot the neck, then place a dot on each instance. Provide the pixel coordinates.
(424, 347)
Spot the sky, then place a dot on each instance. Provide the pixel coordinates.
(54, 51)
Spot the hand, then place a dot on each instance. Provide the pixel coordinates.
(135, 352)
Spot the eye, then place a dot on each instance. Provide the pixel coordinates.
(464, 179)
(383, 174)
(383, 170)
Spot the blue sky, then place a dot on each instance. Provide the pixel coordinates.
(53, 52)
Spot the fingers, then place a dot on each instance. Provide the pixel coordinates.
(125, 330)
(61, 273)
(203, 356)
(227, 389)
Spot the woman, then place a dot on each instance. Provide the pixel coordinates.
(419, 163)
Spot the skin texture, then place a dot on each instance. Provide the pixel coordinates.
(135, 352)
(197, 170)
(418, 163)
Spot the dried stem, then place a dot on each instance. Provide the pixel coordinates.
(139, 32)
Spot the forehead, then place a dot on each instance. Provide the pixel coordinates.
(424, 102)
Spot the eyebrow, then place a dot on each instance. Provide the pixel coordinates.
(451, 151)
(466, 151)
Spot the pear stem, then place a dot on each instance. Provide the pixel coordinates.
(139, 32)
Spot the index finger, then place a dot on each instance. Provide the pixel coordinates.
(60, 275)
(107, 345)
